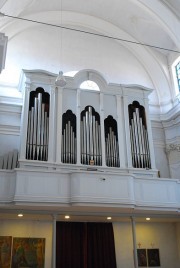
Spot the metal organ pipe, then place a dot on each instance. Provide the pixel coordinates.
(37, 131)
(28, 135)
(68, 149)
(90, 139)
(139, 142)
(111, 142)
(30, 152)
(94, 140)
(112, 149)
(39, 126)
(42, 130)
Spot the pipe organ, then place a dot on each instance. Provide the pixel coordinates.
(139, 137)
(90, 137)
(111, 142)
(38, 126)
(68, 148)
(84, 128)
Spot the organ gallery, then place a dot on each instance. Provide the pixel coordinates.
(106, 129)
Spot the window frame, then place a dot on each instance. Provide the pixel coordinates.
(176, 76)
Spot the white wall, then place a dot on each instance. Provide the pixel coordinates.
(10, 119)
(161, 161)
(8, 143)
(165, 236)
(162, 235)
(174, 158)
(34, 229)
(123, 245)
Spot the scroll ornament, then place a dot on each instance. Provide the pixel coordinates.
(172, 147)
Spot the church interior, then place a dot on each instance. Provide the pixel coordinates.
(90, 133)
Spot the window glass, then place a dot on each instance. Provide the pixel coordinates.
(176, 75)
(88, 84)
(177, 67)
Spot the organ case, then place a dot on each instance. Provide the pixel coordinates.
(102, 128)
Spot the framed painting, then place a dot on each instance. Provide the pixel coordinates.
(28, 252)
(153, 257)
(142, 257)
(5, 251)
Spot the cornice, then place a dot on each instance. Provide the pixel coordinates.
(10, 108)
(159, 144)
(10, 130)
(171, 114)
(10, 101)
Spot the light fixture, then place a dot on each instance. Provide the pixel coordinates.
(109, 218)
(20, 215)
(67, 217)
(60, 80)
(148, 219)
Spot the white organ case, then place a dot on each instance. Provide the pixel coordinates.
(71, 128)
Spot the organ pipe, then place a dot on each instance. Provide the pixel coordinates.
(37, 130)
(112, 149)
(111, 142)
(68, 150)
(90, 137)
(139, 139)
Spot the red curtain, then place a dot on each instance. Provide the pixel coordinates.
(86, 245)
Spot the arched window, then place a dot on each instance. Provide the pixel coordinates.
(176, 75)
(89, 84)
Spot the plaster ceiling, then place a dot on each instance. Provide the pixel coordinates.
(36, 46)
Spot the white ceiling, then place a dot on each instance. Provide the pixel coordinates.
(36, 46)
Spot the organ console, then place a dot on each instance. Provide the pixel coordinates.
(88, 122)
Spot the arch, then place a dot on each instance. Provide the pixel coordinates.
(165, 18)
(92, 75)
(144, 55)
(90, 85)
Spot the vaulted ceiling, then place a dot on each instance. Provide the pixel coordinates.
(120, 59)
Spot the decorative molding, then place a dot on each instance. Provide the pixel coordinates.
(159, 144)
(156, 124)
(172, 114)
(10, 101)
(10, 130)
(53, 89)
(9, 109)
(172, 147)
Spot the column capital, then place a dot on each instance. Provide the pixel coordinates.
(172, 147)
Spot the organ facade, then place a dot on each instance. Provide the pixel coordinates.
(106, 129)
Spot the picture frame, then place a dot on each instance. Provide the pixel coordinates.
(5, 251)
(153, 257)
(142, 257)
(28, 252)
